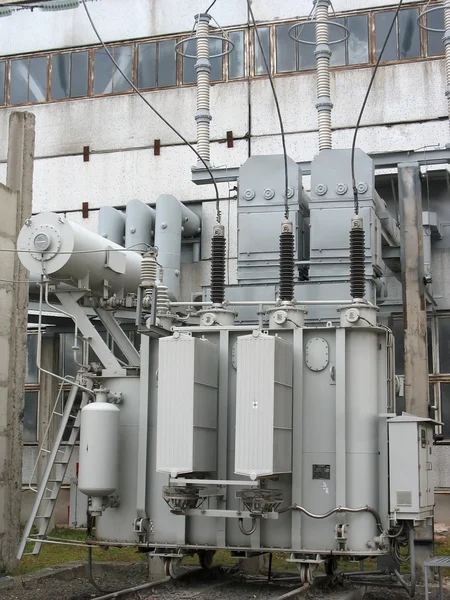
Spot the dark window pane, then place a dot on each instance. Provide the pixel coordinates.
(445, 409)
(31, 373)
(306, 32)
(189, 74)
(216, 47)
(167, 65)
(435, 20)
(430, 346)
(399, 335)
(19, 82)
(102, 73)
(408, 31)
(383, 21)
(73, 412)
(358, 41)
(444, 344)
(38, 79)
(124, 58)
(30, 417)
(2, 83)
(264, 36)
(337, 50)
(286, 50)
(60, 76)
(236, 60)
(147, 66)
(79, 74)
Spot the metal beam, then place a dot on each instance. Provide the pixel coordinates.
(382, 160)
(119, 337)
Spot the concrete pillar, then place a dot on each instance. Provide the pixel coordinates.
(415, 321)
(15, 203)
(414, 303)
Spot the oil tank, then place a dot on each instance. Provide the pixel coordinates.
(99, 450)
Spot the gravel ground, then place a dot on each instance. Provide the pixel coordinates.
(73, 584)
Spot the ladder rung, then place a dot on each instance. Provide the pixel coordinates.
(55, 480)
(60, 462)
(57, 414)
(45, 450)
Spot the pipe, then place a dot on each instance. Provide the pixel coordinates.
(140, 222)
(338, 509)
(242, 529)
(412, 559)
(323, 55)
(136, 588)
(294, 593)
(172, 220)
(446, 40)
(203, 70)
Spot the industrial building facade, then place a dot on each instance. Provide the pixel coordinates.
(98, 144)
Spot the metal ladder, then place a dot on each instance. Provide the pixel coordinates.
(57, 462)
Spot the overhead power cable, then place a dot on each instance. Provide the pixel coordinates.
(366, 97)
(277, 105)
(138, 92)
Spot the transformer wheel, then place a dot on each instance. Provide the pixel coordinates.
(171, 567)
(206, 558)
(306, 573)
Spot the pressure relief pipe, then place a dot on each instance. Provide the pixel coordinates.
(203, 70)
(323, 56)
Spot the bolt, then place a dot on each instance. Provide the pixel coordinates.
(132, 229)
(29, 222)
(163, 225)
(321, 189)
(341, 189)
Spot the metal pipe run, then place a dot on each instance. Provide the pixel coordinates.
(338, 509)
(269, 303)
(136, 588)
(323, 56)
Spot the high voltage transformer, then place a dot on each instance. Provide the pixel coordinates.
(261, 417)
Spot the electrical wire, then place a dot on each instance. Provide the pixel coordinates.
(157, 113)
(366, 97)
(277, 105)
(209, 7)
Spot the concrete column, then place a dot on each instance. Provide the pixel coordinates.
(414, 303)
(15, 202)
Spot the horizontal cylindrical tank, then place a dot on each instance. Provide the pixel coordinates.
(49, 242)
(99, 449)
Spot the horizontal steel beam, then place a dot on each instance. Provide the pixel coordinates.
(382, 160)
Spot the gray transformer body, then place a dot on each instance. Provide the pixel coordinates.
(323, 416)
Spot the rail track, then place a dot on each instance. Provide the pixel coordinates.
(221, 584)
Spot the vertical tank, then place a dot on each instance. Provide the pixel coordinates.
(99, 449)
(362, 348)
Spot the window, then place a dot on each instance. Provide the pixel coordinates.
(264, 36)
(2, 82)
(28, 80)
(70, 75)
(236, 58)
(107, 79)
(435, 20)
(404, 39)
(358, 40)
(157, 64)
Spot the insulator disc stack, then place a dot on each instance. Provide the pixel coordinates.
(218, 250)
(357, 267)
(287, 262)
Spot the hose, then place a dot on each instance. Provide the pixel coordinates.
(338, 509)
(245, 531)
(323, 55)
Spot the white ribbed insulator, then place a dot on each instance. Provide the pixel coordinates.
(203, 69)
(149, 269)
(162, 300)
(323, 56)
(447, 51)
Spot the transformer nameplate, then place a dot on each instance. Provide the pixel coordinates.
(321, 471)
